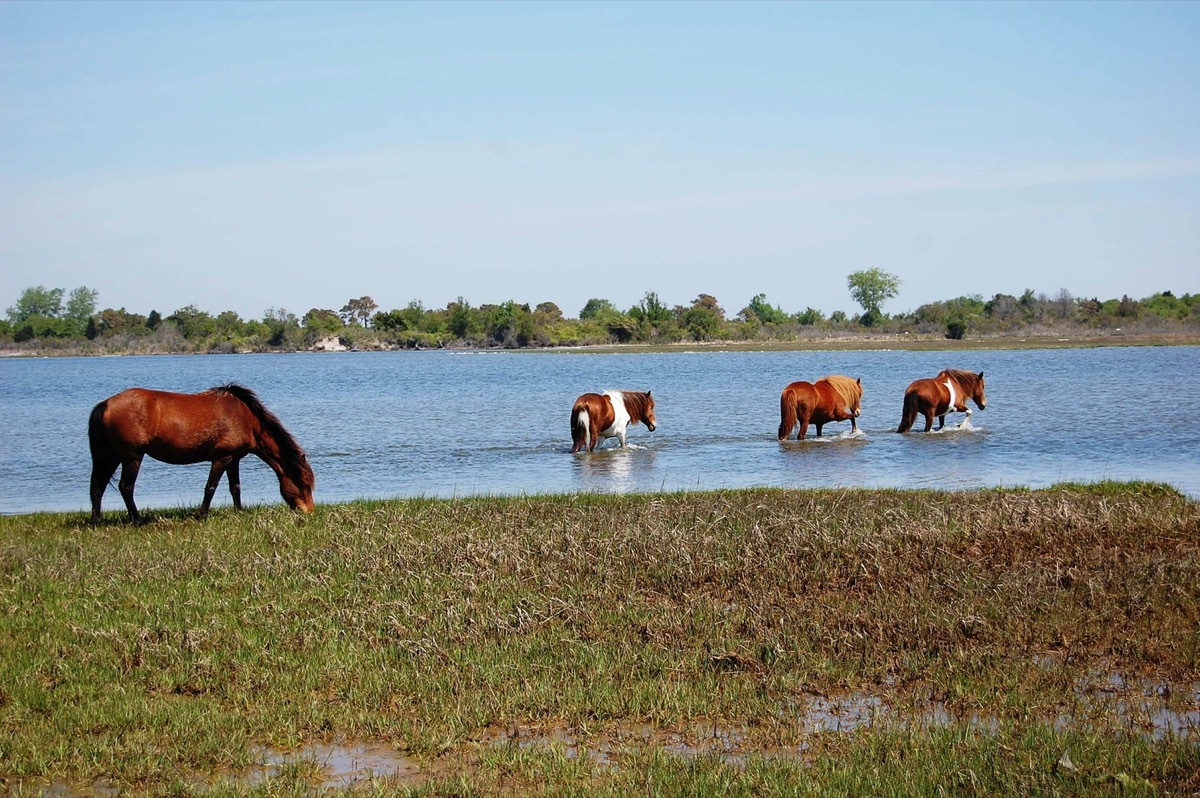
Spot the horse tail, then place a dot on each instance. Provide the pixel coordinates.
(787, 414)
(580, 424)
(909, 415)
(98, 444)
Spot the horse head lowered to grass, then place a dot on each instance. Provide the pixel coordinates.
(606, 415)
(948, 392)
(221, 425)
(833, 398)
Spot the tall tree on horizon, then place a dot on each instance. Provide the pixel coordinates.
(870, 288)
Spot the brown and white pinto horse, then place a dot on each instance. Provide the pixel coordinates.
(606, 415)
(221, 425)
(833, 398)
(947, 392)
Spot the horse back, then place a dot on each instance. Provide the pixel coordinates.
(819, 402)
(801, 394)
(177, 428)
(929, 392)
(831, 404)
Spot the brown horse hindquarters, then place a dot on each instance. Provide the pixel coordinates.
(795, 407)
(591, 414)
(807, 403)
(803, 403)
(134, 424)
(924, 397)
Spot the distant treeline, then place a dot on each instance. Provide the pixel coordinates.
(51, 319)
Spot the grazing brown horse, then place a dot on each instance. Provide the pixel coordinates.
(221, 425)
(606, 415)
(946, 393)
(833, 398)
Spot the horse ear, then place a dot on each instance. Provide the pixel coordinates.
(859, 380)
(981, 375)
(648, 393)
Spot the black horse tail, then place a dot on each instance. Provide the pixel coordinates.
(910, 411)
(96, 442)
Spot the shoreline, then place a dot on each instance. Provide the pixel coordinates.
(115, 514)
(859, 342)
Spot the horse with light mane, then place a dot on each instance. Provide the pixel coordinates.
(606, 415)
(832, 398)
(947, 392)
(221, 425)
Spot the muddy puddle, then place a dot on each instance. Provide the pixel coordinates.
(1104, 702)
(339, 764)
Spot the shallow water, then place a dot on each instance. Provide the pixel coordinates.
(406, 424)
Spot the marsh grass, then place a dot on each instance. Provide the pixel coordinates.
(157, 655)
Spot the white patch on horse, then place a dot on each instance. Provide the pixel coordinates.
(953, 397)
(620, 418)
(584, 422)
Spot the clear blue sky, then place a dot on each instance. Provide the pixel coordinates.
(245, 156)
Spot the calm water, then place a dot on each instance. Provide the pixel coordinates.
(447, 424)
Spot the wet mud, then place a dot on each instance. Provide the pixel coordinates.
(1101, 701)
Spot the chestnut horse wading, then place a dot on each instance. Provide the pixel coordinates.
(948, 392)
(606, 415)
(221, 425)
(832, 398)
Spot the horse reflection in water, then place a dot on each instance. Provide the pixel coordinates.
(221, 426)
(595, 416)
(616, 470)
(833, 398)
(946, 393)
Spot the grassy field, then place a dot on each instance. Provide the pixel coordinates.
(795, 642)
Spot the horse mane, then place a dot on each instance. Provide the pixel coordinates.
(848, 389)
(969, 380)
(636, 403)
(291, 455)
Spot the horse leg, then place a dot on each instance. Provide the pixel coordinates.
(819, 426)
(803, 429)
(210, 487)
(928, 420)
(941, 421)
(102, 471)
(234, 473)
(129, 475)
